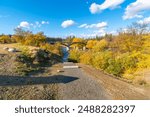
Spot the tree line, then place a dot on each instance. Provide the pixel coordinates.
(30, 39)
(126, 55)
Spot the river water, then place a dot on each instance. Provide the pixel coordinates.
(65, 54)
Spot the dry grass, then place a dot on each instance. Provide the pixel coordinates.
(14, 45)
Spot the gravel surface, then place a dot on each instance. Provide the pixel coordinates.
(81, 87)
(7, 65)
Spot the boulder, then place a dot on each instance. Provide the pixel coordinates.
(58, 71)
(12, 50)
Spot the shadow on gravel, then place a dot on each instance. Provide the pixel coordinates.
(17, 80)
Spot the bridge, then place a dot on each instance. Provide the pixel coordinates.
(69, 44)
(66, 44)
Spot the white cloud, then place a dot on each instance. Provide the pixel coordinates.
(37, 24)
(24, 24)
(100, 32)
(144, 21)
(99, 29)
(134, 9)
(87, 35)
(98, 25)
(67, 23)
(92, 35)
(108, 4)
(83, 26)
(44, 22)
(95, 8)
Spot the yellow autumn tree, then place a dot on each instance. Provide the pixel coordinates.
(86, 58)
(91, 43)
(18, 38)
(100, 45)
(77, 43)
(5, 39)
(35, 39)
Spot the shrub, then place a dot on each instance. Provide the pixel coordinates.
(56, 48)
(91, 43)
(129, 61)
(18, 39)
(144, 62)
(74, 55)
(100, 59)
(25, 55)
(115, 67)
(5, 39)
(86, 58)
(100, 46)
(129, 74)
(35, 39)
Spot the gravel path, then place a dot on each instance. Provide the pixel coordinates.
(82, 87)
(118, 89)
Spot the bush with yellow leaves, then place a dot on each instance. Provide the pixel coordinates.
(100, 46)
(5, 39)
(86, 58)
(74, 55)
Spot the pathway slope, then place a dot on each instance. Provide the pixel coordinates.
(83, 88)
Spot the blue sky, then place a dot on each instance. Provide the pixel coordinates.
(61, 18)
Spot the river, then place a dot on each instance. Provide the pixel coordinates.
(65, 54)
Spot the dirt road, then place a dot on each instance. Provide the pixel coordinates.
(90, 83)
(83, 87)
